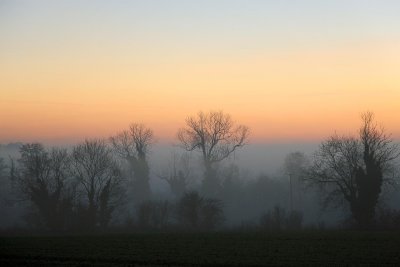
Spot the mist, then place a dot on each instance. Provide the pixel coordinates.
(254, 183)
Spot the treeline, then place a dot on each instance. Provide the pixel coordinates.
(101, 182)
(79, 190)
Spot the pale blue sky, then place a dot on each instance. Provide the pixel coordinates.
(217, 24)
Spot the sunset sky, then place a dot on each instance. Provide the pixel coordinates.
(290, 70)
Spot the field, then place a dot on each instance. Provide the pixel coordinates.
(200, 249)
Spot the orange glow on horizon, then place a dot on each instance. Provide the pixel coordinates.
(291, 95)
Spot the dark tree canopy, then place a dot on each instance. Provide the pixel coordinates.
(99, 176)
(41, 177)
(134, 142)
(3, 168)
(196, 212)
(178, 174)
(354, 169)
(133, 146)
(4, 181)
(216, 137)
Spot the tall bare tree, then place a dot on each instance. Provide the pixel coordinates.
(99, 176)
(216, 137)
(41, 177)
(133, 146)
(353, 170)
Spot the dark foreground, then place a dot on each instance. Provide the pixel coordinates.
(173, 249)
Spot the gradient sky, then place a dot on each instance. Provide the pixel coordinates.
(290, 70)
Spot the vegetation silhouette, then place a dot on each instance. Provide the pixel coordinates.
(216, 137)
(42, 178)
(133, 146)
(178, 174)
(99, 175)
(104, 185)
(195, 212)
(354, 169)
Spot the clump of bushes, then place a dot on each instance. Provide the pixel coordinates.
(154, 214)
(388, 219)
(191, 212)
(198, 213)
(277, 219)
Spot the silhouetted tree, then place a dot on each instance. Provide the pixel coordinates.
(133, 145)
(3, 174)
(295, 166)
(231, 182)
(294, 220)
(388, 219)
(296, 163)
(215, 136)
(354, 169)
(2, 167)
(153, 214)
(274, 220)
(41, 177)
(277, 219)
(196, 212)
(4, 182)
(99, 176)
(178, 174)
(211, 213)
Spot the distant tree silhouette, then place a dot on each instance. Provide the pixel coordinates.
(274, 220)
(215, 136)
(278, 219)
(388, 219)
(41, 177)
(178, 174)
(295, 163)
(199, 213)
(133, 146)
(153, 214)
(295, 166)
(5, 185)
(99, 176)
(354, 169)
(3, 168)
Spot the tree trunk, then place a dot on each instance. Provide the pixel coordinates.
(210, 183)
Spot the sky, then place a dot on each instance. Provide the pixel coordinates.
(290, 70)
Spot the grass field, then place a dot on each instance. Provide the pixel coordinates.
(183, 249)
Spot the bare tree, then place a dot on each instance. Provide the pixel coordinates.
(41, 177)
(99, 176)
(216, 137)
(353, 170)
(133, 146)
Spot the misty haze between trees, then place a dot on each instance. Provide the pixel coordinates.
(105, 184)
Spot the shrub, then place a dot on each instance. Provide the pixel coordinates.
(196, 212)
